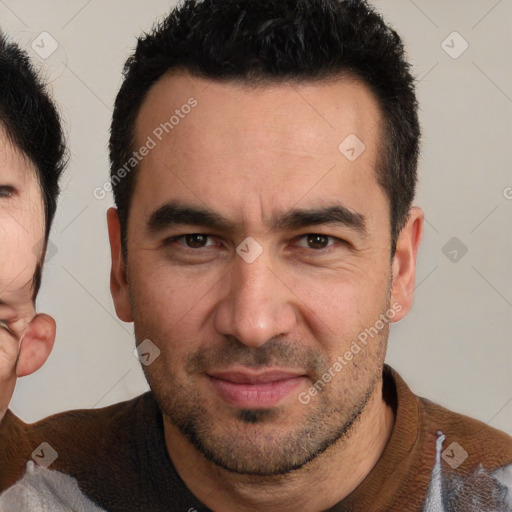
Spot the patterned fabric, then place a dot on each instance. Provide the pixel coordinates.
(43, 490)
(482, 491)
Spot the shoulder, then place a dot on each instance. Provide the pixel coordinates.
(43, 489)
(472, 442)
(459, 462)
(473, 465)
(69, 439)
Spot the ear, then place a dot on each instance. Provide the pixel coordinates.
(118, 282)
(404, 262)
(36, 345)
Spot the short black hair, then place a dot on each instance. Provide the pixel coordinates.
(258, 41)
(32, 124)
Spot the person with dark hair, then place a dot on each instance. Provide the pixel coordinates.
(32, 158)
(264, 161)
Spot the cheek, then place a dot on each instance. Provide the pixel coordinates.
(166, 305)
(20, 250)
(339, 306)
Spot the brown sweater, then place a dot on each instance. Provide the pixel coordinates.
(435, 461)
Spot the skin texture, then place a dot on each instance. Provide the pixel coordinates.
(252, 155)
(26, 339)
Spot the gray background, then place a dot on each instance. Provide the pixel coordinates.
(454, 348)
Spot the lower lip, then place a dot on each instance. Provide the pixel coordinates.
(255, 396)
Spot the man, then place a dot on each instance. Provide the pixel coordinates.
(264, 165)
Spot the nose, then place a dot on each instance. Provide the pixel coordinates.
(257, 305)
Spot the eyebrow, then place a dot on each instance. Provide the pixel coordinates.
(176, 213)
(338, 215)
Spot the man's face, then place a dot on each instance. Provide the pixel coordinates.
(21, 235)
(258, 252)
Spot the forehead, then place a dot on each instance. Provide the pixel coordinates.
(14, 165)
(283, 140)
(310, 111)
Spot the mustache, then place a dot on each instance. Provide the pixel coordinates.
(274, 352)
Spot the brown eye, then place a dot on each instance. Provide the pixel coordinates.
(196, 241)
(6, 191)
(318, 241)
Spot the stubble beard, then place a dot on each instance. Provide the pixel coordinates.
(253, 442)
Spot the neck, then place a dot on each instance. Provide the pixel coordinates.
(336, 472)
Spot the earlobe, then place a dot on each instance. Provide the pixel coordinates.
(404, 262)
(118, 283)
(36, 345)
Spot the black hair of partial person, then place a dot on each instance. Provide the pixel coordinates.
(32, 124)
(256, 42)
